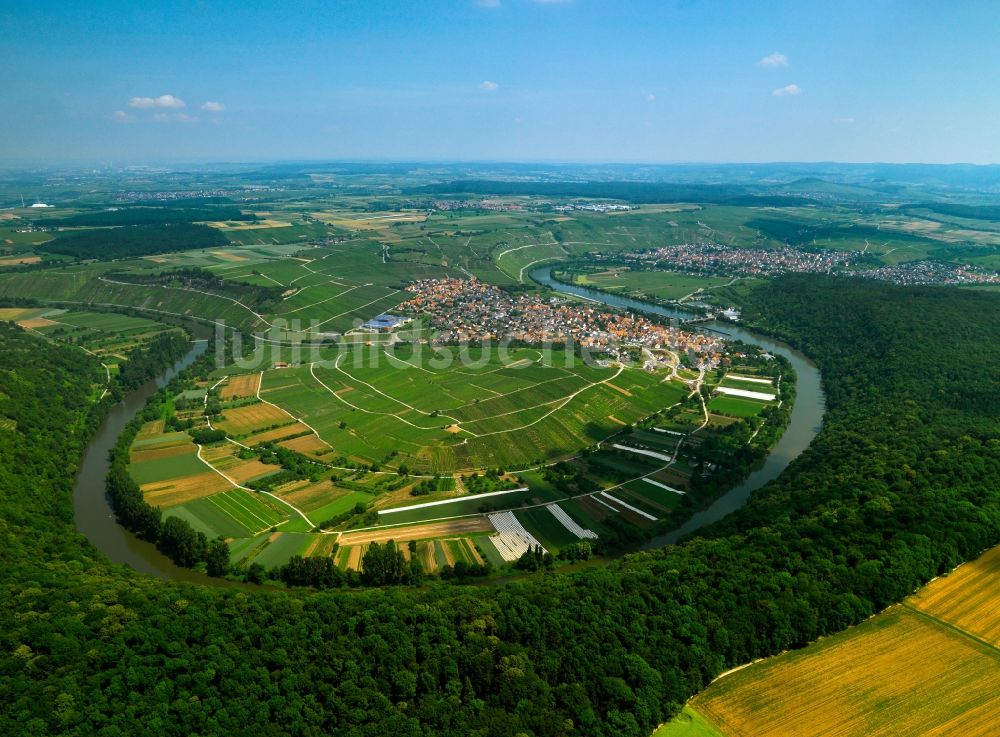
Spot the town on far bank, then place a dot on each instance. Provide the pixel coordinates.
(468, 310)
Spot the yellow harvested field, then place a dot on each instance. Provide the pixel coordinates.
(417, 532)
(219, 453)
(186, 489)
(248, 225)
(228, 255)
(900, 673)
(425, 553)
(470, 546)
(311, 496)
(253, 417)
(968, 597)
(354, 557)
(18, 260)
(449, 557)
(240, 386)
(626, 392)
(306, 444)
(356, 221)
(16, 313)
(36, 322)
(246, 470)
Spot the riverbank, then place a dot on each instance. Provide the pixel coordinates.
(807, 411)
(92, 512)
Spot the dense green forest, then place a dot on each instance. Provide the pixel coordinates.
(638, 192)
(149, 216)
(975, 212)
(142, 363)
(132, 241)
(902, 483)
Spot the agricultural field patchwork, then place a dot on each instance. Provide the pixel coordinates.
(514, 411)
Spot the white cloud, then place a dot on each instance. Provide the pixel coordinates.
(213, 107)
(650, 97)
(489, 86)
(120, 116)
(844, 121)
(777, 59)
(789, 90)
(162, 101)
(174, 118)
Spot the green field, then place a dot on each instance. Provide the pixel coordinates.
(514, 411)
(338, 506)
(464, 506)
(163, 469)
(283, 547)
(736, 406)
(235, 513)
(651, 497)
(244, 547)
(689, 723)
(545, 528)
(665, 285)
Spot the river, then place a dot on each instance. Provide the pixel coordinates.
(95, 518)
(805, 422)
(91, 507)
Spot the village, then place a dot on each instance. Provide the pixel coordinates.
(471, 310)
(713, 258)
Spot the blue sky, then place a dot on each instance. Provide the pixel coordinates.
(513, 80)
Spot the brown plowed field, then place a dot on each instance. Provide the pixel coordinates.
(307, 444)
(185, 489)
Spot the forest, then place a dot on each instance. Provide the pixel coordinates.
(133, 241)
(637, 192)
(149, 216)
(901, 484)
